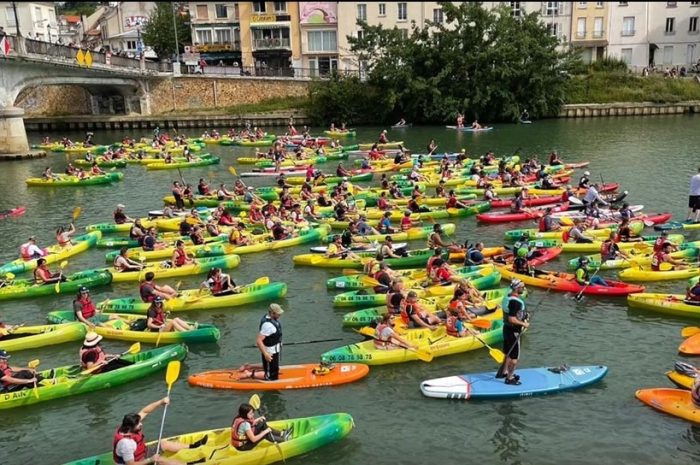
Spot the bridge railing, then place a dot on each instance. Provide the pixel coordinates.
(260, 71)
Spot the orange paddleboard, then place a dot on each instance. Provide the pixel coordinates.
(690, 346)
(291, 377)
(676, 402)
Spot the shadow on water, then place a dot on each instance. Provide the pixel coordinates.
(509, 440)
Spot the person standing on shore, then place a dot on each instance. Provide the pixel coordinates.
(694, 199)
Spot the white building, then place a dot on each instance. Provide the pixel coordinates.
(318, 27)
(674, 33)
(36, 20)
(119, 27)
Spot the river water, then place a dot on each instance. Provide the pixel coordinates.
(653, 158)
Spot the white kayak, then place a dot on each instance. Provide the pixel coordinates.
(605, 213)
(357, 248)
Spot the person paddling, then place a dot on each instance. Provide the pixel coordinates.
(15, 378)
(129, 444)
(30, 251)
(84, 308)
(124, 264)
(247, 431)
(157, 319)
(149, 290)
(63, 235)
(515, 320)
(386, 338)
(42, 274)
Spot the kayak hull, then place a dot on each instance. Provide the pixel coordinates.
(669, 304)
(32, 337)
(203, 265)
(676, 402)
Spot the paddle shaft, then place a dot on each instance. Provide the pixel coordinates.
(300, 342)
(578, 296)
(162, 422)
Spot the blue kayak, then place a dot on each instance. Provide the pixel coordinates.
(534, 381)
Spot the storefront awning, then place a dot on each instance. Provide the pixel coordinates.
(275, 25)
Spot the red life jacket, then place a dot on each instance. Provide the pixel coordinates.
(451, 202)
(139, 453)
(24, 251)
(146, 297)
(237, 440)
(451, 325)
(656, 260)
(159, 319)
(407, 310)
(88, 309)
(542, 225)
(217, 285)
(659, 244)
(6, 372)
(606, 249)
(180, 257)
(41, 275)
(85, 351)
(255, 215)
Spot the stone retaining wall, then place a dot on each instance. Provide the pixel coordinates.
(587, 110)
(54, 101)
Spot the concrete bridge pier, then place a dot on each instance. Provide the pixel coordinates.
(13, 137)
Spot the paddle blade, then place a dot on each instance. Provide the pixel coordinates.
(566, 221)
(423, 355)
(33, 363)
(232, 170)
(76, 213)
(349, 271)
(483, 324)
(134, 349)
(63, 264)
(10, 276)
(172, 373)
(690, 331)
(254, 401)
(262, 280)
(366, 331)
(642, 246)
(57, 287)
(665, 266)
(497, 355)
(369, 281)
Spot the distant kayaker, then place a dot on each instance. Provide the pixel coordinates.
(383, 138)
(525, 116)
(269, 342)
(42, 274)
(548, 222)
(609, 250)
(180, 256)
(515, 320)
(385, 226)
(30, 251)
(247, 431)
(129, 445)
(517, 205)
(475, 256)
(119, 216)
(92, 355)
(15, 378)
(584, 181)
(662, 241)
(520, 264)
(157, 319)
(63, 235)
(664, 256)
(626, 212)
(476, 125)
(435, 240)
(432, 147)
(592, 196)
(692, 295)
(460, 121)
(124, 264)
(576, 233)
(177, 192)
(386, 250)
(337, 251)
(582, 276)
(694, 199)
(149, 290)
(220, 283)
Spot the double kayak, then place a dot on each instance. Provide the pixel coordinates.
(414, 259)
(636, 258)
(534, 382)
(505, 217)
(68, 380)
(411, 234)
(71, 181)
(184, 164)
(164, 270)
(676, 402)
(303, 376)
(195, 299)
(647, 274)
(566, 282)
(308, 434)
(25, 288)
(669, 304)
(118, 327)
(32, 337)
(54, 253)
(437, 343)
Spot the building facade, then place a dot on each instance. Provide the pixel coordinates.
(270, 35)
(36, 20)
(589, 29)
(674, 33)
(318, 26)
(117, 28)
(216, 31)
(628, 37)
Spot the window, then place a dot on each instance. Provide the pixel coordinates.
(37, 14)
(403, 11)
(131, 45)
(258, 7)
(202, 12)
(360, 34)
(438, 16)
(10, 16)
(628, 26)
(582, 4)
(223, 36)
(690, 54)
(598, 27)
(322, 41)
(554, 8)
(693, 24)
(668, 55)
(670, 22)
(554, 29)
(599, 4)
(281, 7)
(204, 36)
(404, 33)
(581, 28)
(626, 55)
(221, 11)
(515, 9)
(694, 3)
(382, 9)
(362, 12)
(671, 4)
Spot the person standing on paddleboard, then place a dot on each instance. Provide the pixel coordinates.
(514, 321)
(269, 341)
(694, 199)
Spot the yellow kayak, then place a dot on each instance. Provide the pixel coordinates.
(646, 274)
(203, 265)
(32, 337)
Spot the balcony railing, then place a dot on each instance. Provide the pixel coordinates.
(268, 44)
(598, 34)
(219, 46)
(581, 35)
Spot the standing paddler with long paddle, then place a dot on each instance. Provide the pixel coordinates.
(514, 323)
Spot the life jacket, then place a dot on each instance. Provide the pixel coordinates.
(24, 251)
(521, 265)
(237, 440)
(407, 311)
(659, 244)
(656, 260)
(180, 257)
(469, 259)
(451, 325)
(381, 343)
(146, 297)
(139, 453)
(159, 319)
(691, 296)
(393, 302)
(41, 275)
(504, 305)
(581, 275)
(542, 224)
(217, 285)
(119, 217)
(607, 250)
(451, 202)
(88, 309)
(255, 215)
(6, 372)
(85, 351)
(275, 338)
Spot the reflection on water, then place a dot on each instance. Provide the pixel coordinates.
(509, 440)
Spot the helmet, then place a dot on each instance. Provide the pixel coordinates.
(4, 354)
(158, 300)
(586, 173)
(522, 252)
(582, 260)
(83, 289)
(517, 284)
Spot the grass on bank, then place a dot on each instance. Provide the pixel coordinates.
(610, 87)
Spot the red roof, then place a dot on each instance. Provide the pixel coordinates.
(71, 18)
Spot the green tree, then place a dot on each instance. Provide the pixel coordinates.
(158, 32)
(486, 64)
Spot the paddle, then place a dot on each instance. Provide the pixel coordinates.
(495, 354)
(578, 297)
(76, 213)
(161, 330)
(171, 374)
(33, 364)
(255, 403)
(61, 266)
(134, 349)
(232, 170)
(690, 331)
(422, 354)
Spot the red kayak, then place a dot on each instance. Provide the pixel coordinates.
(547, 254)
(17, 211)
(566, 282)
(534, 202)
(533, 214)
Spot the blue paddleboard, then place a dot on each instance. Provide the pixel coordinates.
(534, 381)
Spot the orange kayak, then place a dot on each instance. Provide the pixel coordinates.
(676, 402)
(690, 346)
(291, 377)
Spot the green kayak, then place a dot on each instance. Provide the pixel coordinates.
(102, 163)
(415, 259)
(23, 288)
(73, 181)
(308, 434)
(359, 281)
(184, 164)
(68, 381)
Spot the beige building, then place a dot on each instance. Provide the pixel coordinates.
(36, 20)
(117, 28)
(589, 29)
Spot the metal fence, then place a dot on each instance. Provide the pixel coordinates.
(265, 71)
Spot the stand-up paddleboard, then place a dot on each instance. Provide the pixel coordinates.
(534, 381)
(468, 129)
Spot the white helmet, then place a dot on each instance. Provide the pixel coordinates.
(586, 173)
